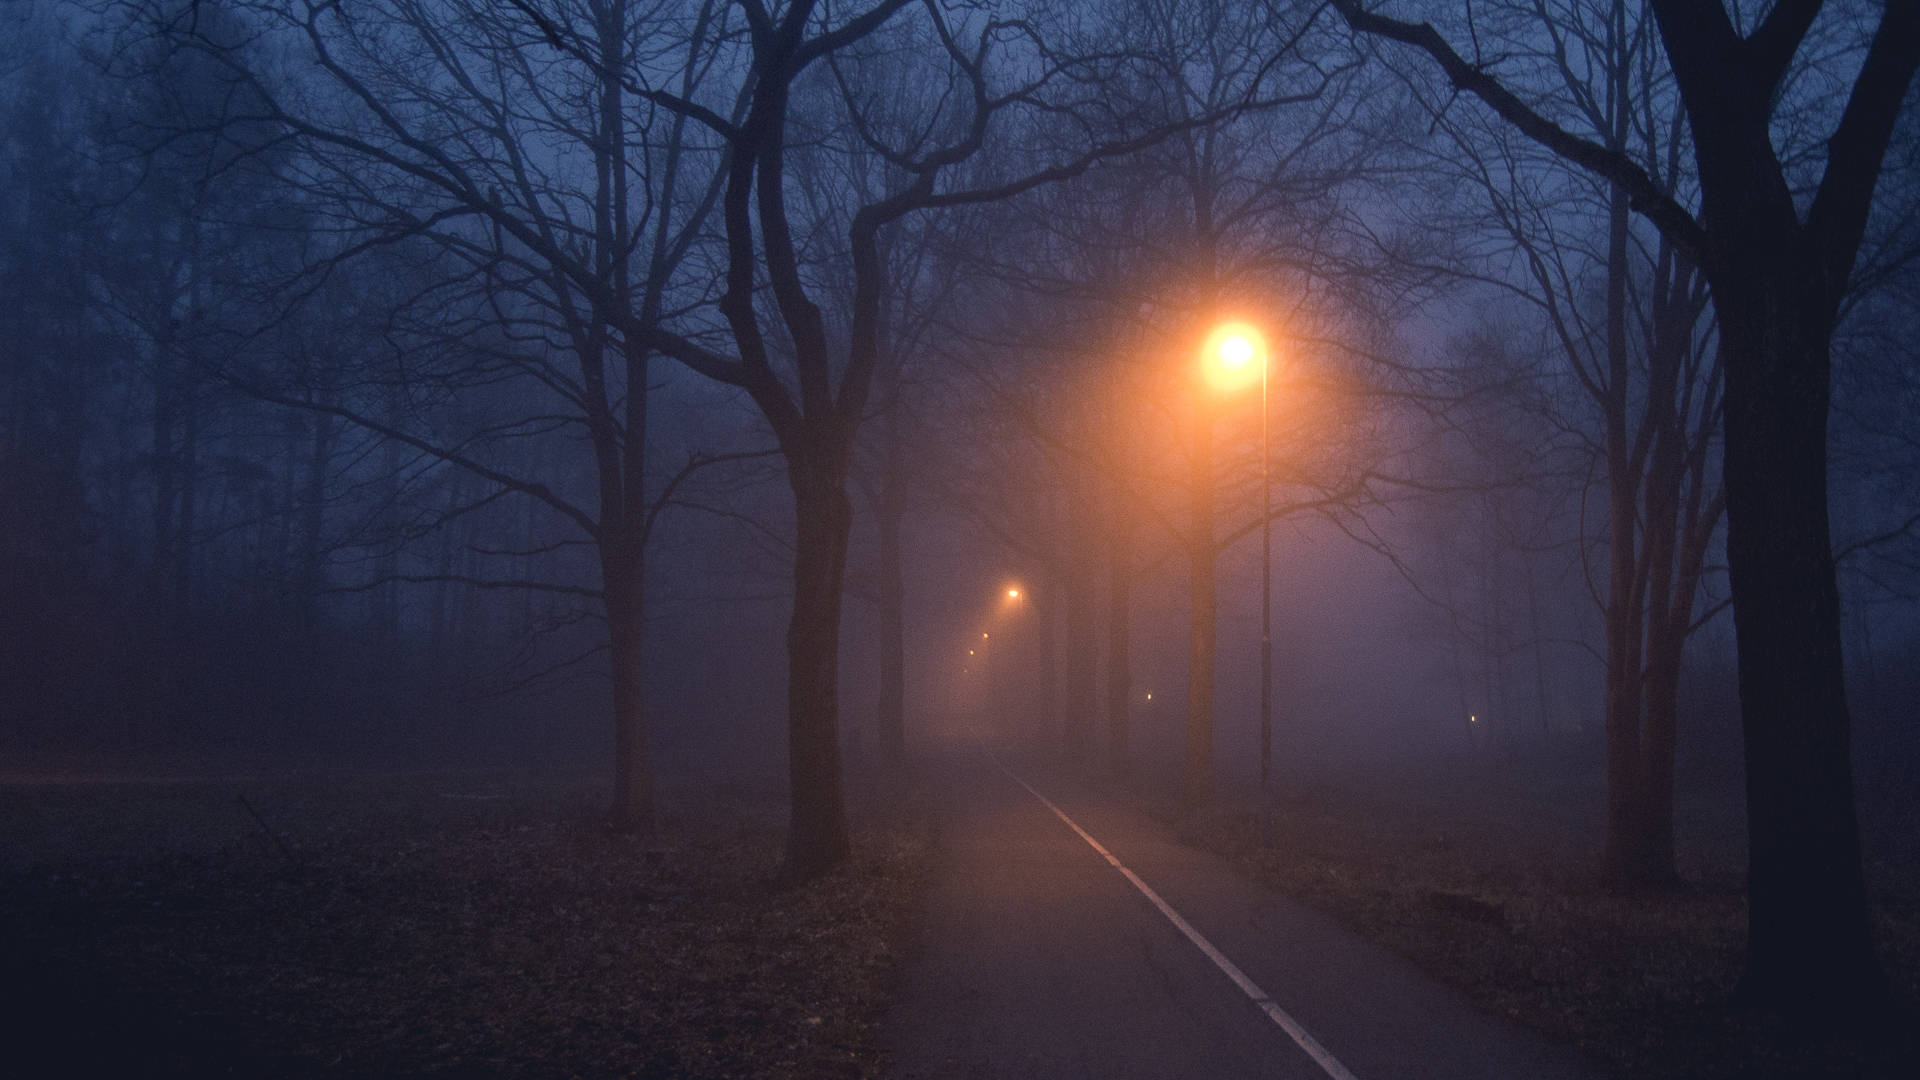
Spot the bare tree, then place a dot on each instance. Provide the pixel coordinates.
(816, 415)
(448, 123)
(1638, 361)
(1778, 274)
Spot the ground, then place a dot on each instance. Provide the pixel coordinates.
(452, 924)
(1485, 873)
(1069, 936)
(481, 924)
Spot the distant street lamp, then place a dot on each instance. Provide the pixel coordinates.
(1017, 641)
(998, 685)
(1234, 354)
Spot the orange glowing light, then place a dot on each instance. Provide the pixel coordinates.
(1013, 594)
(1235, 356)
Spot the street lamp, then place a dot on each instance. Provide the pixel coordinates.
(1016, 644)
(1234, 354)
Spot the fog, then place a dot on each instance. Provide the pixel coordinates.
(542, 537)
(287, 481)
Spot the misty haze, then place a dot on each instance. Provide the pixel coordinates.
(932, 538)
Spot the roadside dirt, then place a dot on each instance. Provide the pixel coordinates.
(452, 925)
(1489, 881)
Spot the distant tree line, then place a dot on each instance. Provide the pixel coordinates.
(390, 338)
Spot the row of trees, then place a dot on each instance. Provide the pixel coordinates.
(1651, 351)
(1775, 233)
(476, 256)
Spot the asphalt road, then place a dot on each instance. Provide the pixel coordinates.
(1037, 957)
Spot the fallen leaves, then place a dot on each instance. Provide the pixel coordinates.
(506, 936)
(1494, 891)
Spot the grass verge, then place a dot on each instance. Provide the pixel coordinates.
(1495, 891)
(451, 926)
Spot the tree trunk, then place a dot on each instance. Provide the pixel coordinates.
(823, 517)
(440, 634)
(1200, 637)
(1778, 278)
(1651, 859)
(890, 509)
(161, 668)
(1119, 632)
(1082, 647)
(312, 575)
(1622, 860)
(386, 566)
(624, 576)
(1048, 661)
(187, 473)
(1540, 695)
(164, 498)
(1493, 718)
(1808, 942)
(893, 648)
(1659, 741)
(1625, 797)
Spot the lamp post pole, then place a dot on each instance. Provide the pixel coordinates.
(1266, 616)
(1227, 359)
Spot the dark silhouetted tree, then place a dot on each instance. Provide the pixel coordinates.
(1777, 245)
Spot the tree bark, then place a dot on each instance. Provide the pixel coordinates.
(1668, 608)
(312, 573)
(1540, 694)
(385, 597)
(164, 497)
(187, 473)
(624, 575)
(1198, 788)
(1047, 673)
(1119, 631)
(1808, 942)
(823, 519)
(1777, 278)
(1622, 859)
(893, 620)
(889, 514)
(620, 450)
(1654, 857)
(1082, 647)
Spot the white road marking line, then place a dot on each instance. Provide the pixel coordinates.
(1320, 1055)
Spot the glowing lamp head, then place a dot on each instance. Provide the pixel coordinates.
(1013, 594)
(1234, 356)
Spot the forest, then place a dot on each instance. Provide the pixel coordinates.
(730, 415)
